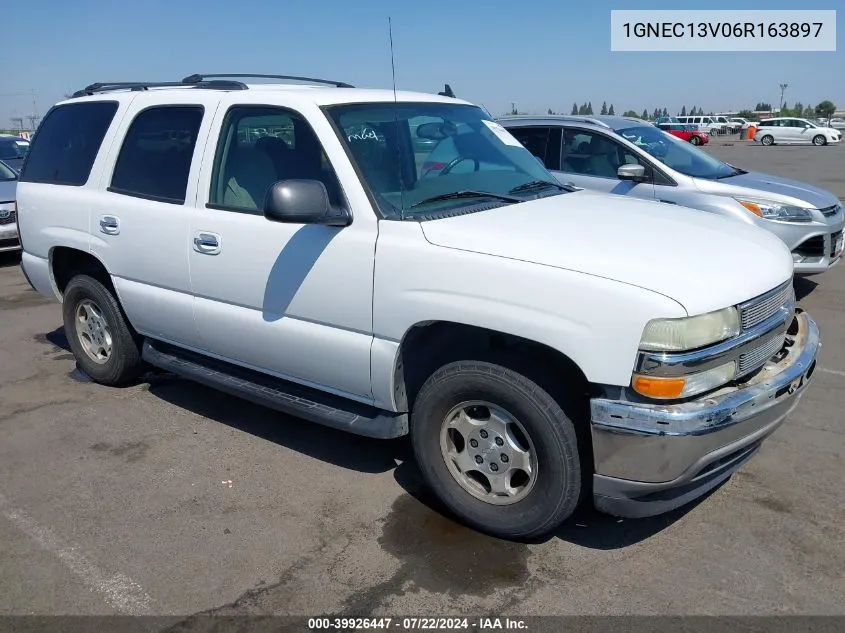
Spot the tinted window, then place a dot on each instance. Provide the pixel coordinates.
(67, 143)
(155, 159)
(12, 148)
(543, 142)
(258, 147)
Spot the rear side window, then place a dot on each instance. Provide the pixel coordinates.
(543, 142)
(155, 159)
(67, 142)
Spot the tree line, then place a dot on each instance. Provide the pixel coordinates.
(823, 110)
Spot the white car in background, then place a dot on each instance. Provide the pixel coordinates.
(789, 130)
(743, 124)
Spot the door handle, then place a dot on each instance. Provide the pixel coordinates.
(207, 243)
(109, 224)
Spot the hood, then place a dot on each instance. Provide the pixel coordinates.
(702, 261)
(763, 185)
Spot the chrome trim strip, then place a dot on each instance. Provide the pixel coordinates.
(684, 363)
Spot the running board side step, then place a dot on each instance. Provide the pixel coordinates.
(284, 396)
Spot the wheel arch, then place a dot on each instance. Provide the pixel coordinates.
(66, 262)
(428, 345)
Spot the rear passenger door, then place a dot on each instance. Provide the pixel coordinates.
(141, 217)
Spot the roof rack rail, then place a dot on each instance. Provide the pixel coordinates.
(107, 86)
(190, 79)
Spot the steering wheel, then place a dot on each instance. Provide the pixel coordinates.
(457, 161)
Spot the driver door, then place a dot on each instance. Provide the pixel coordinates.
(590, 159)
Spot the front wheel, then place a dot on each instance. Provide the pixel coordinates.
(496, 449)
(695, 140)
(767, 140)
(819, 139)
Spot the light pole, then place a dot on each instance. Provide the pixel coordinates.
(783, 88)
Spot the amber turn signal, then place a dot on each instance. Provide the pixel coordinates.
(663, 388)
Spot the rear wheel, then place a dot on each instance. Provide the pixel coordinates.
(496, 449)
(819, 139)
(100, 337)
(768, 139)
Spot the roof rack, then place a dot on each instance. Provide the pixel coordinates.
(107, 86)
(192, 79)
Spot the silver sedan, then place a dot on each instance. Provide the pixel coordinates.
(630, 156)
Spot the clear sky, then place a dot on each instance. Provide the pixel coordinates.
(537, 53)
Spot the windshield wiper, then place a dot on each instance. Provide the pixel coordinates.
(736, 172)
(466, 194)
(539, 184)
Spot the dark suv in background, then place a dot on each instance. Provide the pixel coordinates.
(13, 150)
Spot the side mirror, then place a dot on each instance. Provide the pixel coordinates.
(631, 172)
(302, 202)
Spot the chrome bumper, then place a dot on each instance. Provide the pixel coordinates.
(651, 458)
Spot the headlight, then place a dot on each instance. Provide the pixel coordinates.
(677, 335)
(771, 210)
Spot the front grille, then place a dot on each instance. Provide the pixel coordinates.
(758, 310)
(9, 243)
(9, 219)
(757, 357)
(832, 210)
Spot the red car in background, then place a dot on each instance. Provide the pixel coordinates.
(686, 132)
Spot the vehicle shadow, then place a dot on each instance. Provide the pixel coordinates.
(326, 444)
(586, 528)
(803, 287)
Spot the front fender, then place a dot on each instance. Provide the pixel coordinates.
(595, 322)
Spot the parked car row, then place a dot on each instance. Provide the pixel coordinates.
(543, 343)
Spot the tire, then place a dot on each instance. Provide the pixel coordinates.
(695, 140)
(819, 140)
(767, 140)
(546, 431)
(86, 297)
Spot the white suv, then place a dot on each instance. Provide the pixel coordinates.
(541, 344)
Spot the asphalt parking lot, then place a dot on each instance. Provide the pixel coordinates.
(169, 498)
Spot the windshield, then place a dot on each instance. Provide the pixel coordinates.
(13, 148)
(416, 158)
(677, 154)
(6, 173)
